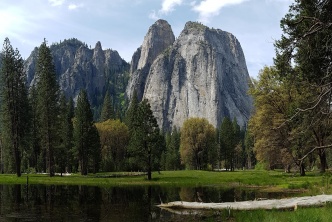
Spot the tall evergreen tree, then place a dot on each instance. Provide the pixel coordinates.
(85, 139)
(14, 104)
(48, 110)
(107, 111)
(227, 143)
(66, 114)
(132, 111)
(172, 156)
(35, 148)
(145, 138)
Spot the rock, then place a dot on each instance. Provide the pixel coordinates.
(79, 67)
(202, 74)
(159, 37)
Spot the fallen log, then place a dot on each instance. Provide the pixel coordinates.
(289, 203)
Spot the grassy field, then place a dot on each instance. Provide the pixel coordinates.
(267, 180)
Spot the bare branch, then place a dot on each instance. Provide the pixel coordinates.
(313, 150)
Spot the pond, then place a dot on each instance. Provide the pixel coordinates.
(87, 203)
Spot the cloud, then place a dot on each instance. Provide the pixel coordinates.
(56, 2)
(169, 5)
(74, 6)
(153, 15)
(209, 8)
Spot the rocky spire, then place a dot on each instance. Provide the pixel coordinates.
(159, 37)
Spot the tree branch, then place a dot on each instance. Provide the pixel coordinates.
(314, 149)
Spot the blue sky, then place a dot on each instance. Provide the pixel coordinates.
(122, 24)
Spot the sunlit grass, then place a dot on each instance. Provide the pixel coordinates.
(322, 214)
(313, 183)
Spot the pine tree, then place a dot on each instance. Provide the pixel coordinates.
(14, 104)
(172, 159)
(132, 111)
(35, 148)
(107, 111)
(145, 138)
(48, 95)
(86, 142)
(65, 133)
(227, 143)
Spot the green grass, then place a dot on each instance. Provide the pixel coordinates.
(267, 180)
(321, 214)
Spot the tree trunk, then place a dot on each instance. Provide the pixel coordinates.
(149, 166)
(287, 168)
(17, 161)
(302, 169)
(323, 162)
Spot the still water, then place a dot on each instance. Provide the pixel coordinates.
(87, 203)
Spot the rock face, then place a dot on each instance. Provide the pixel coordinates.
(159, 37)
(79, 67)
(201, 74)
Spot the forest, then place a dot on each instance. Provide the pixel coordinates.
(42, 131)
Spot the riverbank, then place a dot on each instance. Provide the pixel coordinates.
(267, 180)
(272, 181)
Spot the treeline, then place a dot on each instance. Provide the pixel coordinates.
(41, 131)
(291, 125)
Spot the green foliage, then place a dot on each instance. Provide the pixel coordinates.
(34, 142)
(249, 149)
(230, 137)
(63, 154)
(146, 142)
(14, 108)
(114, 137)
(171, 156)
(132, 111)
(47, 104)
(304, 58)
(107, 111)
(87, 144)
(198, 144)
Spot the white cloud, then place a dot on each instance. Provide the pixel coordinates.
(169, 5)
(74, 6)
(209, 8)
(56, 2)
(153, 15)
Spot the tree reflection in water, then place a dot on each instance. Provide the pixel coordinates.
(87, 203)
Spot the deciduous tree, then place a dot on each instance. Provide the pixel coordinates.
(114, 137)
(198, 144)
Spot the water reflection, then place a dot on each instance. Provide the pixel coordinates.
(84, 203)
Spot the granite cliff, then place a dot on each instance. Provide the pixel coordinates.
(202, 73)
(80, 67)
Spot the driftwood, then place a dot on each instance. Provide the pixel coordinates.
(289, 203)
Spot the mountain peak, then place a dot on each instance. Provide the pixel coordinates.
(205, 76)
(159, 37)
(98, 46)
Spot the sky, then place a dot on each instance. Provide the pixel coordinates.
(122, 24)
